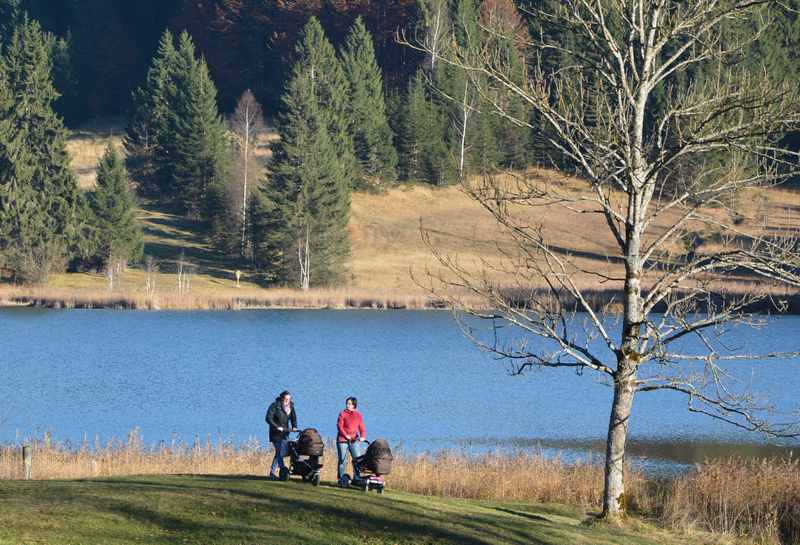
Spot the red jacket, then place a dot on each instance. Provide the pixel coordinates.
(350, 424)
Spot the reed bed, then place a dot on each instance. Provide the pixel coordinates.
(756, 499)
(231, 299)
(748, 501)
(277, 298)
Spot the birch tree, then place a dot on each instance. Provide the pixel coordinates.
(659, 177)
(247, 123)
(435, 29)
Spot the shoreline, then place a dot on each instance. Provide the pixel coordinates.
(50, 297)
(46, 297)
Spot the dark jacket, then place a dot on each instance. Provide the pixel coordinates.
(277, 418)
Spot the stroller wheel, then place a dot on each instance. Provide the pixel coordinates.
(284, 474)
(315, 479)
(380, 490)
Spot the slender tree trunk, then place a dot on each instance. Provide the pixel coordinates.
(614, 500)
(304, 257)
(244, 190)
(465, 117)
(436, 31)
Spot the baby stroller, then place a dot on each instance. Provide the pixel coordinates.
(372, 466)
(304, 455)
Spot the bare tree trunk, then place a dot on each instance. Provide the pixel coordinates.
(244, 190)
(437, 26)
(304, 257)
(614, 501)
(466, 110)
(247, 123)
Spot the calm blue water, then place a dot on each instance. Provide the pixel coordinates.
(418, 380)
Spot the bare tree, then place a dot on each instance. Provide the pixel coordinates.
(185, 272)
(304, 258)
(465, 110)
(247, 123)
(659, 176)
(437, 25)
(150, 270)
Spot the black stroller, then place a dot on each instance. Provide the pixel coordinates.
(305, 454)
(372, 466)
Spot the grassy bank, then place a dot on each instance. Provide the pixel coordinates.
(732, 501)
(218, 509)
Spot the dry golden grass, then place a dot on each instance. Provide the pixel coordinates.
(389, 260)
(87, 145)
(388, 249)
(228, 298)
(757, 501)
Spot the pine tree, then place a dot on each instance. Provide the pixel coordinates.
(372, 136)
(194, 156)
(11, 16)
(147, 124)
(414, 136)
(425, 152)
(300, 221)
(317, 59)
(504, 30)
(39, 202)
(114, 207)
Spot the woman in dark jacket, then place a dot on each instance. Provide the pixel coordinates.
(282, 419)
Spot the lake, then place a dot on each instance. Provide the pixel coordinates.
(420, 383)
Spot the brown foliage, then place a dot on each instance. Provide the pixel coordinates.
(250, 43)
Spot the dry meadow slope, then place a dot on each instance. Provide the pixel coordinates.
(389, 260)
(387, 245)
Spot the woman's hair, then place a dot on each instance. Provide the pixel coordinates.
(354, 400)
(283, 394)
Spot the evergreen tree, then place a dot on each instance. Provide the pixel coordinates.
(114, 208)
(504, 31)
(414, 135)
(317, 59)
(193, 155)
(147, 124)
(11, 16)
(425, 153)
(372, 136)
(300, 217)
(40, 219)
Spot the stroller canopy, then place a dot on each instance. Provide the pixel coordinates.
(378, 457)
(310, 443)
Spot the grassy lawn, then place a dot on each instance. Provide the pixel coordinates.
(251, 510)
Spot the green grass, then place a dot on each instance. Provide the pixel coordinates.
(250, 510)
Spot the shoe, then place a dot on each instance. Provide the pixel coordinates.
(272, 477)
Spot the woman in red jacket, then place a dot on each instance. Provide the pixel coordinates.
(351, 431)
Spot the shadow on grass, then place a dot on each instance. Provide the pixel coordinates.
(304, 514)
(170, 235)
